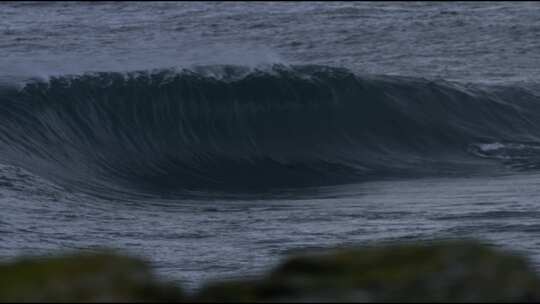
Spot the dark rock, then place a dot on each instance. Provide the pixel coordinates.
(447, 272)
(441, 272)
(104, 277)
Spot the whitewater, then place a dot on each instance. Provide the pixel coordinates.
(214, 138)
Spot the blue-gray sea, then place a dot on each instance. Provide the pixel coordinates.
(215, 138)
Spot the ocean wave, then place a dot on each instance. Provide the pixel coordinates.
(237, 128)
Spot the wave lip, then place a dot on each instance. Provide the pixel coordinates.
(231, 127)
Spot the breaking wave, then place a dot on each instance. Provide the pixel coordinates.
(230, 128)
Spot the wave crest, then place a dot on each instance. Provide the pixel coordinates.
(231, 127)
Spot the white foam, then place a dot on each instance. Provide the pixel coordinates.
(491, 146)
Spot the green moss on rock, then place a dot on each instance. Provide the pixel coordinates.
(449, 271)
(104, 277)
(441, 272)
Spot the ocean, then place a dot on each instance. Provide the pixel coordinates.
(215, 138)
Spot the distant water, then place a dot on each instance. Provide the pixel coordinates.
(215, 138)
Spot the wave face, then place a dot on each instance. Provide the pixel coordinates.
(234, 128)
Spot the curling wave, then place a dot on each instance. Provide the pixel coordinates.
(234, 128)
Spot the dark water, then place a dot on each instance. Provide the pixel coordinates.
(214, 138)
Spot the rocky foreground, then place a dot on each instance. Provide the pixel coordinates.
(458, 271)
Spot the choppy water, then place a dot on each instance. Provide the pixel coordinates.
(214, 138)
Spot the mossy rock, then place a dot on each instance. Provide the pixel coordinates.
(442, 272)
(447, 272)
(103, 277)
